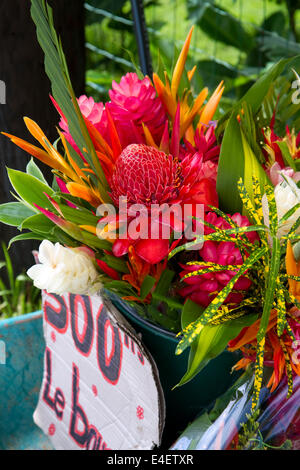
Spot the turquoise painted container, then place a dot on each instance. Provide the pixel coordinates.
(184, 403)
(21, 369)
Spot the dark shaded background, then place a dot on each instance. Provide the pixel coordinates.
(28, 88)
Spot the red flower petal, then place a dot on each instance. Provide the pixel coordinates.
(107, 270)
(120, 247)
(152, 251)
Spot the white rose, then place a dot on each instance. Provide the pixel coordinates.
(287, 195)
(63, 270)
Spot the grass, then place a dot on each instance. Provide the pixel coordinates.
(18, 296)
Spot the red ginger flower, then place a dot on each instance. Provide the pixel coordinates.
(203, 288)
(134, 100)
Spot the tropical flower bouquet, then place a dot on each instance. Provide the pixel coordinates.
(193, 222)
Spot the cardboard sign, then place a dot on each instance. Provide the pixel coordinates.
(100, 388)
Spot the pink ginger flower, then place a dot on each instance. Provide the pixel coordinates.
(205, 145)
(134, 101)
(202, 289)
(94, 112)
(276, 173)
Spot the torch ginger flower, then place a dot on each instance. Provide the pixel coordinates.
(145, 175)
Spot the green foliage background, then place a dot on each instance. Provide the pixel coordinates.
(234, 40)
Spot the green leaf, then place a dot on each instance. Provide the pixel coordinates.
(252, 167)
(146, 287)
(272, 276)
(289, 213)
(9, 267)
(272, 280)
(231, 167)
(190, 312)
(236, 155)
(286, 154)
(79, 216)
(162, 291)
(211, 342)
(273, 217)
(118, 264)
(33, 170)
(78, 202)
(30, 189)
(13, 213)
(221, 26)
(27, 236)
(164, 283)
(255, 96)
(38, 223)
(122, 288)
(61, 237)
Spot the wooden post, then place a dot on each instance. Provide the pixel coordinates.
(27, 90)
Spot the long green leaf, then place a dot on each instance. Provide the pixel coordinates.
(57, 71)
(211, 342)
(231, 167)
(28, 236)
(9, 267)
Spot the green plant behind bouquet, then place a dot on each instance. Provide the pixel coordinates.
(18, 296)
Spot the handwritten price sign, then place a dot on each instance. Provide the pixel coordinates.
(100, 388)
